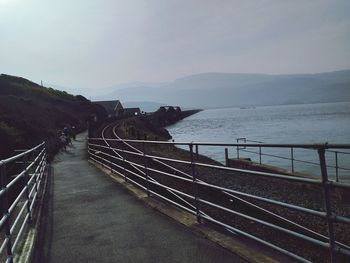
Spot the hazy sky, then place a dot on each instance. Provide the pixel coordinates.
(99, 43)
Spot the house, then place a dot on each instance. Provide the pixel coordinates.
(113, 107)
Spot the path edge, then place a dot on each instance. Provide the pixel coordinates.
(235, 246)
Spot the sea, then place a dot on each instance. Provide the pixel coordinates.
(287, 124)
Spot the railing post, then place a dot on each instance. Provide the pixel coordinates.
(197, 153)
(327, 202)
(260, 154)
(292, 158)
(41, 171)
(36, 176)
(336, 167)
(226, 158)
(237, 149)
(26, 180)
(4, 210)
(124, 164)
(110, 164)
(145, 167)
(195, 186)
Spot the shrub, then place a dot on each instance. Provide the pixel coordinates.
(10, 132)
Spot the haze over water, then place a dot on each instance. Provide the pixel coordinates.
(304, 123)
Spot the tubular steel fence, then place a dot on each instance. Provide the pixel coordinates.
(21, 185)
(137, 162)
(335, 158)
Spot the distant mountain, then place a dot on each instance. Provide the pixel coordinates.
(209, 90)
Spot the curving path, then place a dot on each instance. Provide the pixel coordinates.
(92, 219)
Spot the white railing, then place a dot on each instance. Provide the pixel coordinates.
(21, 185)
(134, 163)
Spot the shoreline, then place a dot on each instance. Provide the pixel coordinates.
(244, 107)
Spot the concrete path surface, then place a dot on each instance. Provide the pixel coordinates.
(90, 218)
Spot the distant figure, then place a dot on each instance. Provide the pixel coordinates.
(63, 141)
(67, 132)
(73, 132)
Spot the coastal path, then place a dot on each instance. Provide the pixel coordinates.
(90, 218)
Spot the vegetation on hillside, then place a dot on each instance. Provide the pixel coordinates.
(30, 113)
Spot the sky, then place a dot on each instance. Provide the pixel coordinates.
(101, 43)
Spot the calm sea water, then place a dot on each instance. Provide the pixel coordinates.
(305, 123)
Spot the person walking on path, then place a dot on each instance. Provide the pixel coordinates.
(63, 141)
(67, 133)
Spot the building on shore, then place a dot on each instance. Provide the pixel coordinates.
(114, 108)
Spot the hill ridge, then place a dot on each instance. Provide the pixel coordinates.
(31, 113)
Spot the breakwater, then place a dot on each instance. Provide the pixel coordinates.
(168, 115)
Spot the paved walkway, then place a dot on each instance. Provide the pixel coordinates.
(92, 219)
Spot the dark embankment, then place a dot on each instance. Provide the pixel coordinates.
(30, 113)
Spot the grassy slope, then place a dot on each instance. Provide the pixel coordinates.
(30, 113)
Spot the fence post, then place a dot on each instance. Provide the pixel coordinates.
(124, 164)
(195, 186)
(5, 210)
(110, 165)
(145, 167)
(39, 177)
(237, 149)
(226, 158)
(327, 196)
(197, 153)
(292, 157)
(26, 180)
(336, 167)
(37, 174)
(260, 154)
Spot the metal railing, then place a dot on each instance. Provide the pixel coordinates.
(121, 160)
(21, 185)
(334, 157)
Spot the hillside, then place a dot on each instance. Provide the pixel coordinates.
(30, 113)
(209, 90)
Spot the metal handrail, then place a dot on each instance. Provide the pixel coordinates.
(241, 147)
(271, 201)
(330, 243)
(266, 174)
(22, 209)
(297, 160)
(270, 145)
(273, 175)
(10, 159)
